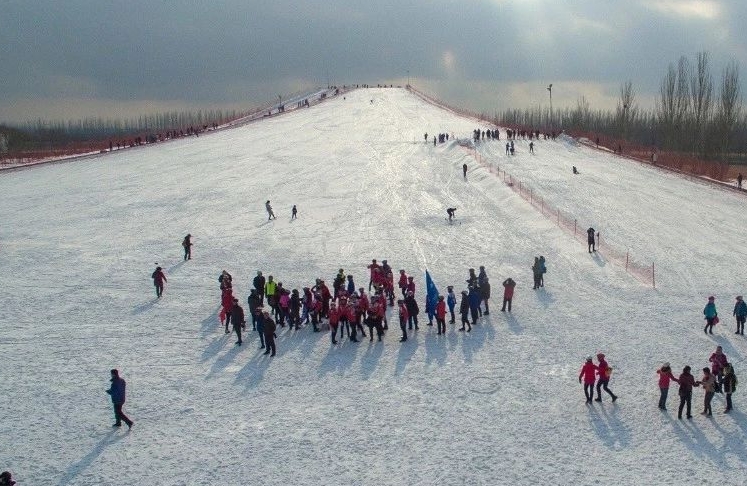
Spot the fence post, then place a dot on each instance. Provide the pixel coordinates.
(575, 223)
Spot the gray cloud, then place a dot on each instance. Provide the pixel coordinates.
(487, 54)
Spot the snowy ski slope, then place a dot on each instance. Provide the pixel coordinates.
(501, 405)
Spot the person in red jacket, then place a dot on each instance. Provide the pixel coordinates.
(158, 279)
(605, 372)
(441, 315)
(402, 282)
(665, 377)
(334, 321)
(403, 318)
(410, 285)
(227, 302)
(588, 373)
(373, 267)
(508, 293)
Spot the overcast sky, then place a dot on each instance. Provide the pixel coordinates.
(65, 59)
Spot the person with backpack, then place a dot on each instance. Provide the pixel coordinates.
(508, 293)
(158, 280)
(729, 384)
(588, 373)
(687, 382)
(605, 373)
(740, 312)
(187, 245)
(711, 315)
(665, 377)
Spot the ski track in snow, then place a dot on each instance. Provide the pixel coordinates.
(500, 405)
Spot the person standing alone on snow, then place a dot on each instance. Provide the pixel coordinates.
(508, 293)
(450, 212)
(464, 171)
(590, 238)
(711, 316)
(294, 212)
(740, 312)
(158, 280)
(117, 392)
(588, 371)
(187, 244)
(270, 214)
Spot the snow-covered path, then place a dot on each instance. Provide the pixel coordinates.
(497, 406)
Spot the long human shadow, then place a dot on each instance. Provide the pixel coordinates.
(140, 308)
(608, 426)
(435, 349)
(223, 361)
(599, 260)
(370, 359)
(406, 351)
(690, 434)
(85, 462)
(513, 324)
(253, 372)
(544, 297)
(176, 266)
(339, 358)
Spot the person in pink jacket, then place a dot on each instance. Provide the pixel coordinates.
(227, 302)
(665, 377)
(588, 373)
(334, 321)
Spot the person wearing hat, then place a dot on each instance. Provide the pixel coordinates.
(451, 302)
(740, 312)
(269, 327)
(441, 315)
(605, 372)
(237, 319)
(687, 382)
(464, 311)
(158, 280)
(711, 316)
(665, 377)
(117, 392)
(372, 267)
(6, 479)
(588, 371)
(187, 245)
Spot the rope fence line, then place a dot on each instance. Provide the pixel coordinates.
(642, 272)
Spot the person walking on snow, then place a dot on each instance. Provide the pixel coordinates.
(665, 376)
(270, 214)
(605, 373)
(588, 373)
(117, 392)
(450, 212)
(730, 385)
(508, 293)
(294, 212)
(687, 382)
(464, 171)
(711, 316)
(158, 280)
(740, 312)
(187, 245)
(590, 238)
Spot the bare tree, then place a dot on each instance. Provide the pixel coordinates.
(682, 112)
(730, 106)
(701, 92)
(627, 108)
(666, 105)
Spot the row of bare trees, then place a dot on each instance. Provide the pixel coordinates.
(693, 114)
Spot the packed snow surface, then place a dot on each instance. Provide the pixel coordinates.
(500, 405)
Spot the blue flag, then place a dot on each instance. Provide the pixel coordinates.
(431, 293)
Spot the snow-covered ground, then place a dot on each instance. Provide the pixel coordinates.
(501, 405)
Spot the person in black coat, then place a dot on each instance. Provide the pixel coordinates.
(485, 294)
(6, 479)
(259, 286)
(269, 329)
(295, 309)
(237, 319)
(117, 392)
(464, 311)
(412, 310)
(187, 244)
(255, 302)
(591, 239)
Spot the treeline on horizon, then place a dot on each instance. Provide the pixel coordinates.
(693, 114)
(43, 134)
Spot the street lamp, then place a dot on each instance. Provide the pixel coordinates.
(549, 88)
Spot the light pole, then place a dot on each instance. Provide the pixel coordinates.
(549, 88)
